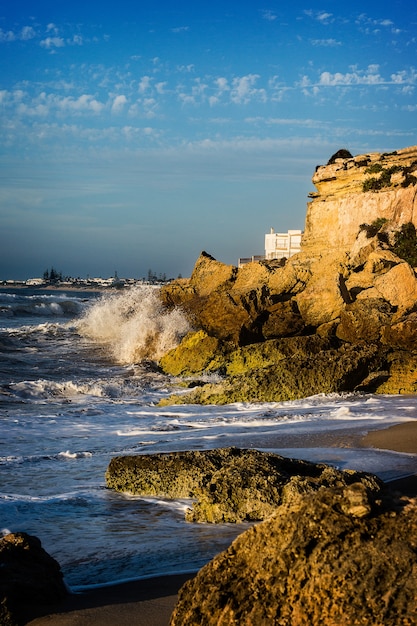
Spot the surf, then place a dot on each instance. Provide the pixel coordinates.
(133, 325)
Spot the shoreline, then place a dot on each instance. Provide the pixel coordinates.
(150, 601)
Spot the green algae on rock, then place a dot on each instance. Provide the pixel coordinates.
(227, 484)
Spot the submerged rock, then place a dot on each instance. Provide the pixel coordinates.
(29, 576)
(228, 484)
(327, 558)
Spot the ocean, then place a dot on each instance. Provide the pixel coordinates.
(78, 386)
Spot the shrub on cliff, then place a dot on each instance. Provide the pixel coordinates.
(340, 154)
(405, 244)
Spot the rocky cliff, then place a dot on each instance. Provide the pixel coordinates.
(339, 316)
(357, 190)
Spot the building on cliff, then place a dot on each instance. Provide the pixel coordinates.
(277, 246)
(280, 245)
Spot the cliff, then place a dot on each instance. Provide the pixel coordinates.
(339, 316)
(359, 190)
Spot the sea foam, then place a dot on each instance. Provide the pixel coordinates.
(133, 325)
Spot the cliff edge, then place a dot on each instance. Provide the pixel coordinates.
(339, 316)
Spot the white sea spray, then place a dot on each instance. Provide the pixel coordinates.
(134, 324)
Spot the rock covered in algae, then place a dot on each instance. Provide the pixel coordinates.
(291, 376)
(228, 484)
(328, 558)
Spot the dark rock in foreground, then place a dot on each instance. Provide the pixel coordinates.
(29, 576)
(228, 484)
(315, 562)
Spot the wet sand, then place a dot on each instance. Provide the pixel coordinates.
(150, 602)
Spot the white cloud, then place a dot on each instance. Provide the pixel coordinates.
(320, 16)
(160, 87)
(144, 84)
(222, 84)
(180, 29)
(52, 42)
(186, 68)
(370, 76)
(243, 89)
(7, 36)
(118, 104)
(268, 15)
(77, 40)
(329, 43)
(27, 33)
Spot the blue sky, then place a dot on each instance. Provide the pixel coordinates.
(136, 135)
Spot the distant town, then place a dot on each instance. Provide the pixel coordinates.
(54, 278)
(278, 246)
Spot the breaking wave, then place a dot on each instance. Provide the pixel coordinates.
(134, 325)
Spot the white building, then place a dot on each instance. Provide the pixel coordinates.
(280, 245)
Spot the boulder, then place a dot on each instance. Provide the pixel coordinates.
(402, 378)
(364, 320)
(347, 368)
(402, 333)
(221, 300)
(398, 286)
(326, 558)
(325, 295)
(283, 319)
(29, 577)
(197, 352)
(228, 484)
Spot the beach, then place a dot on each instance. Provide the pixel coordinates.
(150, 602)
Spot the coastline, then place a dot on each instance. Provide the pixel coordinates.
(150, 602)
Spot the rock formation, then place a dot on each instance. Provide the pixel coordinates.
(29, 577)
(339, 316)
(229, 484)
(326, 558)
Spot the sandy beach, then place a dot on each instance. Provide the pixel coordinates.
(150, 602)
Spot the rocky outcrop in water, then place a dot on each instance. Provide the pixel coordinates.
(229, 484)
(29, 577)
(327, 558)
(339, 316)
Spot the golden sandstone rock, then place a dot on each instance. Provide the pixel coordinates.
(353, 282)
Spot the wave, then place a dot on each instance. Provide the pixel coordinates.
(40, 305)
(133, 325)
(40, 458)
(41, 389)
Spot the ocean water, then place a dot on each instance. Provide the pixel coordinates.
(78, 386)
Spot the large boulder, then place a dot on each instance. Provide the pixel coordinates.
(221, 300)
(228, 484)
(327, 558)
(347, 368)
(198, 352)
(364, 320)
(29, 577)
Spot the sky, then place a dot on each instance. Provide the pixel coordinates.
(133, 136)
